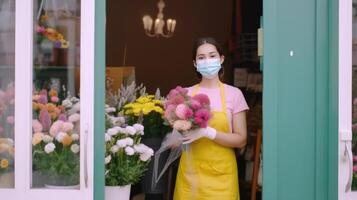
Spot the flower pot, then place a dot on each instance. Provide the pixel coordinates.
(146, 180)
(117, 192)
(7, 180)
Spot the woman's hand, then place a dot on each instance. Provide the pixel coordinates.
(196, 134)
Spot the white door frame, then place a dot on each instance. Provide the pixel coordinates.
(24, 30)
(345, 101)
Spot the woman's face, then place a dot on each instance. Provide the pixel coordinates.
(207, 51)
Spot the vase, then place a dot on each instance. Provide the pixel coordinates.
(7, 180)
(117, 192)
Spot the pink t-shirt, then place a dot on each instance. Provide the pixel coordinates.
(235, 100)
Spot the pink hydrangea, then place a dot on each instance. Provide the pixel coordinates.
(67, 127)
(201, 118)
(56, 128)
(36, 126)
(202, 98)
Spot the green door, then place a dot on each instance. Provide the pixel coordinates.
(297, 100)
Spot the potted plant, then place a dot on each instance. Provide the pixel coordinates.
(56, 139)
(148, 110)
(126, 158)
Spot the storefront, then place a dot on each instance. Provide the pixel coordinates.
(309, 83)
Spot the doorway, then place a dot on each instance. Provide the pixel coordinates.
(163, 63)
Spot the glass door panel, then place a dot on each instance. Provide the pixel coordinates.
(56, 101)
(7, 92)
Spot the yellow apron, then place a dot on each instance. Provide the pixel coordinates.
(208, 171)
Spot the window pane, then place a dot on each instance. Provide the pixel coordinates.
(56, 69)
(7, 92)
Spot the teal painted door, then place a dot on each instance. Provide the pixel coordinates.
(296, 102)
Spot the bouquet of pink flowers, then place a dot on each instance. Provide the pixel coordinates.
(184, 112)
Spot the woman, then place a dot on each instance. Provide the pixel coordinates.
(208, 170)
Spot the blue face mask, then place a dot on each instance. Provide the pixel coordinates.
(208, 68)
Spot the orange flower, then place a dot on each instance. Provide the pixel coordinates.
(53, 93)
(51, 107)
(35, 106)
(53, 115)
(4, 163)
(67, 140)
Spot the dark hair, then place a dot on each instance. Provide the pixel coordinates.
(207, 40)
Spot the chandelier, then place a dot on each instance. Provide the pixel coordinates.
(159, 23)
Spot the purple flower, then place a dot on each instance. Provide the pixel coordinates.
(43, 99)
(57, 44)
(45, 119)
(62, 117)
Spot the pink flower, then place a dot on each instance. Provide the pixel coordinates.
(177, 100)
(43, 99)
(62, 117)
(56, 128)
(74, 118)
(201, 118)
(169, 111)
(40, 29)
(183, 112)
(10, 120)
(355, 168)
(181, 90)
(54, 99)
(196, 105)
(36, 126)
(45, 119)
(67, 127)
(182, 125)
(355, 158)
(202, 98)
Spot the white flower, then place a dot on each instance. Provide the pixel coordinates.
(144, 157)
(121, 143)
(74, 118)
(112, 131)
(110, 110)
(75, 137)
(60, 136)
(139, 128)
(140, 148)
(75, 148)
(107, 137)
(108, 159)
(67, 103)
(129, 141)
(130, 130)
(50, 147)
(114, 149)
(118, 129)
(47, 138)
(129, 151)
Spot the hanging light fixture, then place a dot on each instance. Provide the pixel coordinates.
(159, 23)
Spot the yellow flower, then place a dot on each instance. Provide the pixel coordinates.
(65, 44)
(150, 96)
(4, 163)
(147, 110)
(128, 112)
(159, 109)
(129, 105)
(143, 100)
(155, 101)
